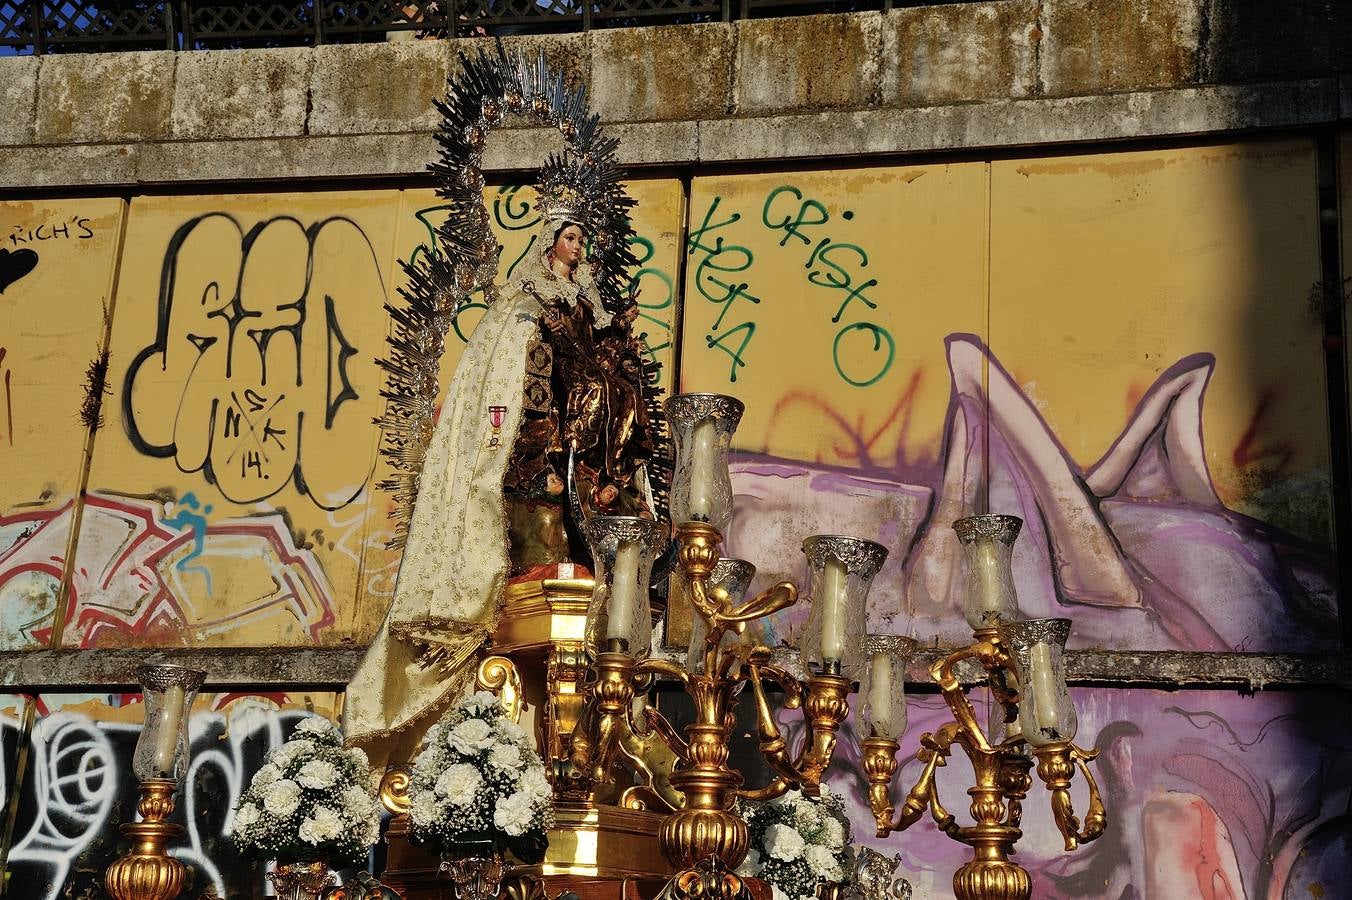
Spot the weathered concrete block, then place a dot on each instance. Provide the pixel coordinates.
(808, 62)
(1253, 40)
(959, 52)
(664, 73)
(104, 97)
(18, 98)
(1095, 46)
(242, 93)
(369, 88)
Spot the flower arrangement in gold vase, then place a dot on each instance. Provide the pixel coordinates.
(478, 790)
(311, 806)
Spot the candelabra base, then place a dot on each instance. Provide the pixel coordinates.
(992, 879)
(148, 872)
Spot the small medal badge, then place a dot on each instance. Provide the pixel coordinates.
(495, 417)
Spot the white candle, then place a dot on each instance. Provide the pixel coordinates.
(166, 740)
(623, 592)
(990, 588)
(833, 595)
(1045, 693)
(880, 695)
(703, 450)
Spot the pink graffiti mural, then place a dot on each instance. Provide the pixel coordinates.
(147, 569)
(1137, 547)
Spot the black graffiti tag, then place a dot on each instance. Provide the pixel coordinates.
(250, 379)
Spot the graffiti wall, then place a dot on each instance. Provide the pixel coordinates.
(80, 785)
(1209, 795)
(228, 496)
(1122, 350)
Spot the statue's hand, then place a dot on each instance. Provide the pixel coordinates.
(553, 484)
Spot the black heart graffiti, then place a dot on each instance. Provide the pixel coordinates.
(15, 265)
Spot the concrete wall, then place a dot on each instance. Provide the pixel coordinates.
(970, 75)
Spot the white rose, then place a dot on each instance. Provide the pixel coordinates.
(288, 752)
(316, 725)
(822, 862)
(514, 813)
(356, 802)
(458, 784)
(806, 816)
(433, 735)
(833, 833)
(506, 757)
(246, 816)
(535, 783)
(266, 775)
(424, 810)
(282, 798)
(470, 736)
(508, 729)
(750, 866)
(317, 774)
(783, 842)
(324, 825)
(358, 757)
(479, 703)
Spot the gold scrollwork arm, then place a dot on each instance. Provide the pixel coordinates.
(394, 786)
(499, 675)
(1056, 764)
(880, 765)
(943, 672)
(780, 596)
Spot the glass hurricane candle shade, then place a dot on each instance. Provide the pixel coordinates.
(162, 748)
(733, 576)
(842, 572)
(1038, 650)
(702, 426)
(988, 542)
(883, 690)
(623, 550)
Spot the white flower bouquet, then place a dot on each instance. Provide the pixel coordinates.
(798, 841)
(479, 780)
(311, 800)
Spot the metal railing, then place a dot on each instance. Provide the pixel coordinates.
(62, 26)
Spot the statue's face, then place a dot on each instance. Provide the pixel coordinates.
(569, 245)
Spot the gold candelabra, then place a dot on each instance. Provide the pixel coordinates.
(704, 837)
(1024, 668)
(147, 871)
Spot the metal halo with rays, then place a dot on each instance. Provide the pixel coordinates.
(464, 259)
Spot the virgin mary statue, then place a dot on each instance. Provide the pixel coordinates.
(551, 413)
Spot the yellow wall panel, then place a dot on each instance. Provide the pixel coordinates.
(57, 264)
(1108, 270)
(230, 492)
(822, 300)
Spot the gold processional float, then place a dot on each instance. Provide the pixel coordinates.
(572, 658)
(636, 801)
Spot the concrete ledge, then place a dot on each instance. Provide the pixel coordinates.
(1022, 123)
(877, 132)
(55, 670)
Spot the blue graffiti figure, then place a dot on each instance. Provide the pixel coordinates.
(186, 520)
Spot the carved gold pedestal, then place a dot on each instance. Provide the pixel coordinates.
(594, 847)
(148, 872)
